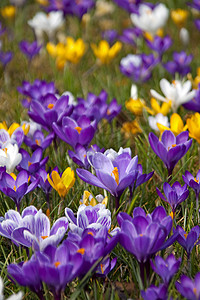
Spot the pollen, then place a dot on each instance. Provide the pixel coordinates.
(44, 237)
(91, 233)
(78, 129)
(102, 268)
(56, 264)
(196, 180)
(172, 214)
(116, 175)
(50, 105)
(81, 251)
(38, 142)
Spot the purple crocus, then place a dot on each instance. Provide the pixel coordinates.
(51, 110)
(160, 45)
(110, 36)
(76, 132)
(194, 104)
(38, 140)
(188, 288)
(105, 267)
(17, 137)
(32, 163)
(130, 36)
(195, 4)
(194, 183)
(174, 195)
(171, 148)
(155, 293)
(32, 228)
(29, 49)
(187, 240)
(166, 268)
(138, 67)
(113, 110)
(197, 23)
(5, 57)
(180, 64)
(113, 174)
(129, 6)
(16, 187)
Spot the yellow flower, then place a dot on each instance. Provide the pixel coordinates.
(196, 80)
(150, 37)
(131, 128)
(104, 52)
(43, 2)
(179, 17)
(64, 183)
(135, 106)
(164, 108)
(88, 199)
(176, 125)
(74, 49)
(13, 127)
(193, 125)
(8, 12)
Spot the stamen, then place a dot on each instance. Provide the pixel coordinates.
(50, 105)
(38, 142)
(5, 150)
(29, 163)
(102, 268)
(108, 112)
(14, 188)
(91, 233)
(116, 174)
(57, 263)
(81, 251)
(44, 237)
(185, 235)
(78, 129)
(196, 180)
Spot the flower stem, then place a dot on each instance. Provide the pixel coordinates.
(60, 207)
(117, 203)
(197, 205)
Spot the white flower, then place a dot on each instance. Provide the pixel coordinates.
(33, 126)
(150, 20)
(42, 22)
(159, 118)
(17, 296)
(10, 157)
(134, 92)
(184, 36)
(133, 59)
(178, 92)
(71, 100)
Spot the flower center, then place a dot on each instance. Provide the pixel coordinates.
(14, 188)
(91, 233)
(78, 129)
(38, 142)
(56, 264)
(50, 105)
(81, 250)
(29, 163)
(185, 235)
(44, 237)
(195, 291)
(172, 146)
(5, 150)
(102, 268)
(108, 112)
(196, 180)
(116, 175)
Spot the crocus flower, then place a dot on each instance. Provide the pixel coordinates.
(10, 157)
(159, 118)
(197, 23)
(194, 104)
(128, 5)
(62, 183)
(174, 195)
(176, 125)
(193, 125)
(30, 49)
(51, 110)
(131, 128)
(42, 22)
(176, 92)
(184, 36)
(105, 267)
(180, 63)
(130, 36)
(8, 12)
(138, 67)
(166, 268)
(155, 293)
(16, 187)
(164, 108)
(159, 45)
(76, 132)
(104, 52)
(150, 19)
(193, 182)
(144, 235)
(32, 163)
(187, 240)
(179, 16)
(110, 35)
(135, 104)
(188, 288)
(195, 4)
(32, 228)
(39, 140)
(170, 149)
(5, 57)
(16, 137)
(113, 110)
(17, 296)
(89, 199)
(113, 175)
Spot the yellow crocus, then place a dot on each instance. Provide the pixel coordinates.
(88, 199)
(131, 128)
(74, 49)
(104, 52)
(135, 106)
(164, 108)
(193, 124)
(43, 2)
(13, 127)
(176, 125)
(179, 17)
(196, 80)
(8, 12)
(64, 183)
(150, 37)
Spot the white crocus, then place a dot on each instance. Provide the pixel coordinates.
(17, 296)
(131, 59)
(150, 20)
(10, 157)
(159, 118)
(48, 23)
(184, 36)
(134, 92)
(177, 92)
(33, 127)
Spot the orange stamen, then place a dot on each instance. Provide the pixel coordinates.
(50, 105)
(78, 129)
(102, 268)
(14, 188)
(116, 174)
(29, 163)
(185, 235)
(38, 142)
(81, 250)
(44, 237)
(91, 233)
(196, 180)
(57, 263)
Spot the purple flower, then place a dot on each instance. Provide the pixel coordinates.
(194, 104)
(192, 181)
(166, 268)
(187, 240)
(29, 49)
(110, 36)
(43, 183)
(180, 64)
(35, 91)
(32, 163)
(188, 288)
(38, 140)
(174, 195)
(5, 57)
(32, 228)
(79, 156)
(141, 178)
(113, 174)
(51, 110)
(113, 110)
(170, 149)
(130, 6)
(195, 4)
(197, 23)
(17, 187)
(155, 293)
(145, 235)
(17, 137)
(160, 45)
(105, 267)
(76, 132)
(138, 67)
(130, 36)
